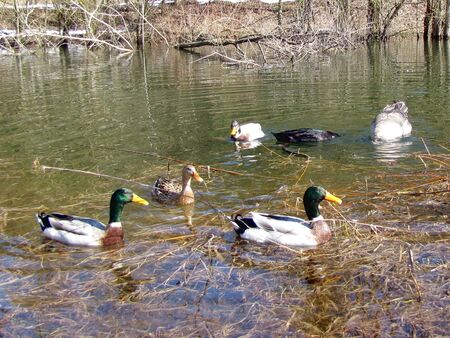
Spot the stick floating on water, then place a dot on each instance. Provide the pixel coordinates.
(45, 167)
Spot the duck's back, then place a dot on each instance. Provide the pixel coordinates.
(391, 123)
(251, 132)
(304, 135)
(166, 190)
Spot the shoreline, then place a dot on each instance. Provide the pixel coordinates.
(280, 32)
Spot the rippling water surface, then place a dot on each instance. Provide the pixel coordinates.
(129, 116)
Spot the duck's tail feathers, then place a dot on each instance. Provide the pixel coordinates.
(43, 221)
(333, 134)
(238, 224)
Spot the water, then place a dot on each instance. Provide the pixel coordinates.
(101, 113)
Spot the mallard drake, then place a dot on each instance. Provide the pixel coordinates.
(246, 132)
(304, 135)
(173, 192)
(83, 231)
(289, 230)
(391, 123)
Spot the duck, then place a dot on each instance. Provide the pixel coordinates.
(304, 135)
(391, 123)
(246, 132)
(289, 230)
(84, 231)
(169, 191)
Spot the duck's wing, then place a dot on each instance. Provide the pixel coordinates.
(71, 230)
(267, 228)
(251, 131)
(280, 223)
(71, 238)
(166, 190)
(304, 135)
(75, 224)
(163, 185)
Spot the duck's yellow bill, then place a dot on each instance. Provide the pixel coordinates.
(139, 200)
(234, 131)
(332, 198)
(197, 177)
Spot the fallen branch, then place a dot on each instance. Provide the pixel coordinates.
(62, 37)
(231, 172)
(45, 167)
(220, 42)
(227, 58)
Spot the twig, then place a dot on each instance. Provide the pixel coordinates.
(411, 271)
(248, 62)
(45, 167)
(148, 23)
(423, 193)
(104, 23)
(81, 39)
(207, 167)
(428, 151)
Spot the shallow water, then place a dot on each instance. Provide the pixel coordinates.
(124, 116)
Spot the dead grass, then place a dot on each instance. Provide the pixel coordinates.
(295, 34)
(385, 273)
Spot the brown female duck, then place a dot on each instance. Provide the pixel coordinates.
(170, 191)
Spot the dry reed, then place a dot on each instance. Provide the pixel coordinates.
(384, 273)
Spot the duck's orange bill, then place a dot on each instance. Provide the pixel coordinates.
(197, 177)
(332, 198)
(234, 131)
(139, 200)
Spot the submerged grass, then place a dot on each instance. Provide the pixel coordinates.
(384, 273)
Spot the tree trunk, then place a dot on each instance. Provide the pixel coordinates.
(305, 14)
(426, 20)
(390, 17)
(436, 21)
(343, 14)
(373, 17)
(280, 12)
(446, 26)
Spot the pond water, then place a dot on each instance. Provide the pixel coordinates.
(133, 116)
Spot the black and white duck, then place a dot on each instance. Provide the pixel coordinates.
(84, 231)
(289, 230)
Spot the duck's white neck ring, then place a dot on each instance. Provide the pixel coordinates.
(115, 224)
(318, 218)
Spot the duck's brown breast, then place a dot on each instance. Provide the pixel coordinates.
(114, 235)
(322, 232)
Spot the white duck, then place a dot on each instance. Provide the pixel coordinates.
(288, 230)
(391, 123)
(246, 132)
(83, 231)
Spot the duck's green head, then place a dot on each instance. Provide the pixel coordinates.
(119, 198)
(124, 196)
(312, 198)
(235, 129)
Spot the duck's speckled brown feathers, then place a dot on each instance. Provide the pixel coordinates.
(169, 191)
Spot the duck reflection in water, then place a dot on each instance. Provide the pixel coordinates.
(389, 152)
(246, 145)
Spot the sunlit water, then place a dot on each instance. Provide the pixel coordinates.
(126, 116)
